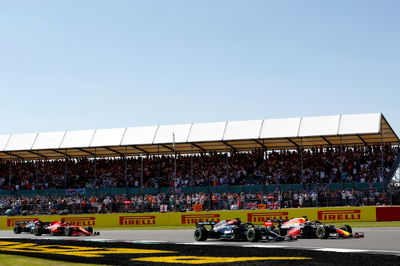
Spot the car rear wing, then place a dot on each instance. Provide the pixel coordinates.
(21, 223)
(278, 221)
(202, 224)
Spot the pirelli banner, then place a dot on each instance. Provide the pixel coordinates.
(344, 214)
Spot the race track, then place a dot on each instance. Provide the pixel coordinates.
(377, 240)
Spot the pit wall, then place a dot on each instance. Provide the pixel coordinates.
(124, 220)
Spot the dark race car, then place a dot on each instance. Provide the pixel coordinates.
(59, 228)
(27, 227)
(303, 228)
(235, 230)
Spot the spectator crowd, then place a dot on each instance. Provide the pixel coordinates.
(313, 166)
(41, 204)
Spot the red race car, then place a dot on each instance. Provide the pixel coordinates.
(303, 228)
(59, 228)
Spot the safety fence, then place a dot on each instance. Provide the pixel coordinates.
(195, 202)
(378, 186)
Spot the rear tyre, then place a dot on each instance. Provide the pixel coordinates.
(347, 228)
(17, 229)
(37, 231)
(277, 231)
(322, 233)
(68, 231)
(89, 229)
(253, 235)
(200, 234)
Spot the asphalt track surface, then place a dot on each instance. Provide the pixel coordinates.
(377, 240)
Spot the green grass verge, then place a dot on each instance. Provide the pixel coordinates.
(12, 260)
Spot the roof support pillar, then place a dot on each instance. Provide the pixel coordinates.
(88, 152)
(114, 151)
(168, 148)
(228, 145)
(63, 153)
(14, 155)
(261, 144)
(294, 143)
(326, 140)
(363, 141)
(197, 146)
(140, 149)
(38, 154)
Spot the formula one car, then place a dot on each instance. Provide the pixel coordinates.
(303, 228)
(235, 230)
(27, 227)
(59, 228)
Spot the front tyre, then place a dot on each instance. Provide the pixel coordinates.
(68, 231)
(200, 234)
(89, 229)
(322, 233)
(253, 235)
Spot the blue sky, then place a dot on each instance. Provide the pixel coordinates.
(69, 65)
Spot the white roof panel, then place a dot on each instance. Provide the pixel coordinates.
(360, 124)
(3, 141)
(108, 137)
(77, 139)
(48, 140)
(243, 130)
(165, 134)
(207, 132)
(319, 125)
(280, 128)
(139, 135)
(20, 142)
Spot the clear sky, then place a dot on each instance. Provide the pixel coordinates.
(73, 64)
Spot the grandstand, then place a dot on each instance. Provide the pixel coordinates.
(268, 134)
(281, 158)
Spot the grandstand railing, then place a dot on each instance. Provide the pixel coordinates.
(76, 206)
(378, 186)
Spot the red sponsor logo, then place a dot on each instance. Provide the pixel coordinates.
(137, 220)
(11, 221)
(259, 217)
(339, 215)
(80, 221)
(195, 218)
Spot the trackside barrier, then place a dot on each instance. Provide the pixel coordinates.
(343, 214)
(390, 213)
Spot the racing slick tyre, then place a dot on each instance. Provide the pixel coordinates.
(68, 231)
(316, 222)
(17, 229)
(322, 233)
(253, 235)
(277, 231)
(347, 228)
(89, 229)
(37, 231)
(200, 234)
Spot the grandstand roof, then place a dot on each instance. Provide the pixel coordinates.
(271, 134)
